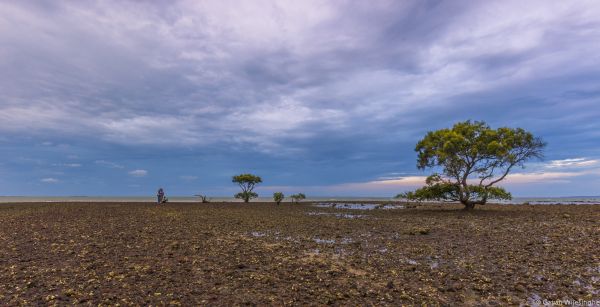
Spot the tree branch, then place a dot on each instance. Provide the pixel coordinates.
(501, 178)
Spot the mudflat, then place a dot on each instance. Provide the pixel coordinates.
(264, 254)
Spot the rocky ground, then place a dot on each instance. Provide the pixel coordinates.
(296, 254)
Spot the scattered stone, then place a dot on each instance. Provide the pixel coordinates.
(520, 288)
(260, 254)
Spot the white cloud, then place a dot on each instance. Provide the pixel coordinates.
(138, 173)
(381, 187)
(42, 117)
(418, 181)
(399, 184)
(108, 164)
(572, 163)
(49, 180)
(408, 181)
(72, 165)
(269, 72)
(158, 130)
(540, 177)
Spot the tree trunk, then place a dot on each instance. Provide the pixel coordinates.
(469, 205)
(247, 199)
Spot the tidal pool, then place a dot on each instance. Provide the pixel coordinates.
(358, 206)
(332, 241)
(340, 215)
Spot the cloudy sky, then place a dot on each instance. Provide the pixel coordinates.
(321, 97)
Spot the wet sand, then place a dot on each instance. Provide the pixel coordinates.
(263, 254)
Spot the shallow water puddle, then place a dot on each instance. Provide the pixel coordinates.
(358, 206)
(340, 215)
(534, 300)
(346, 240)
(324, 241)
(593, 280)
(332, 241)
(258, 234)
(315, 251)
(411, 262)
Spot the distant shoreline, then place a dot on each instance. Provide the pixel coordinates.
(190, 199)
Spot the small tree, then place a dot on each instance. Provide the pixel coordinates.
(473, 158)
(247, 182)
(278, 197)
(203, 198)
(297, 197)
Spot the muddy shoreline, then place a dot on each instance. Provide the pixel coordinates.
(263, 254)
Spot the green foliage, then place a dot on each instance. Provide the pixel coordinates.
(247, 182)
(439, 190)
(246, 179)
(246, 196)
(473, 158)
(297, 197)
(278, 197)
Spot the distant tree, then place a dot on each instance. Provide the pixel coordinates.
(278, 197)
(203, 198)
(247, 182)
(297, 197)
(473, 158)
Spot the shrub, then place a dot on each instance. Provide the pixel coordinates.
(203, 198)
(278, 197)
(297, 197)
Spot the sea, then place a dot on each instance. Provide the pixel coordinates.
(571, 200)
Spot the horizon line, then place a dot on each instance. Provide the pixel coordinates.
(228, 196)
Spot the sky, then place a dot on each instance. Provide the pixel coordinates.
(327, 98)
